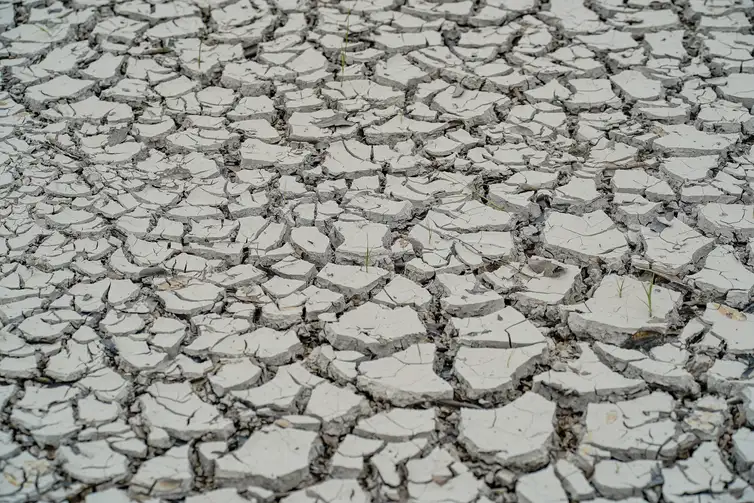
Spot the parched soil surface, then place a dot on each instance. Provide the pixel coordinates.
(376, 250)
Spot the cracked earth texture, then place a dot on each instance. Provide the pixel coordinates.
(377, 250)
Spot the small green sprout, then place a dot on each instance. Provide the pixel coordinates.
(621, 282)
(344, 47)
(367, 256)
(648, 290)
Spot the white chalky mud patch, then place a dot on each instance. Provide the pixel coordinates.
(376, 251)
(637, 429)
(169, 475)
(274, 457)
(485, 371)
(586, 379)
(506, 328)
(440, 475)
(375, 329)
(537, 286)
(622, 306)
(405, 378)
(518, 434)
(593, 237)
(663, 367)
(93, 462)
(177, 410)
(726, 326)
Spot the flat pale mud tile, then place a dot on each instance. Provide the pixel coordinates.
(622, 306)
(405, 378)
(517, 435)
(273, 457)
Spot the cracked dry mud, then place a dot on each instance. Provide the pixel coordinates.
(377, 250)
